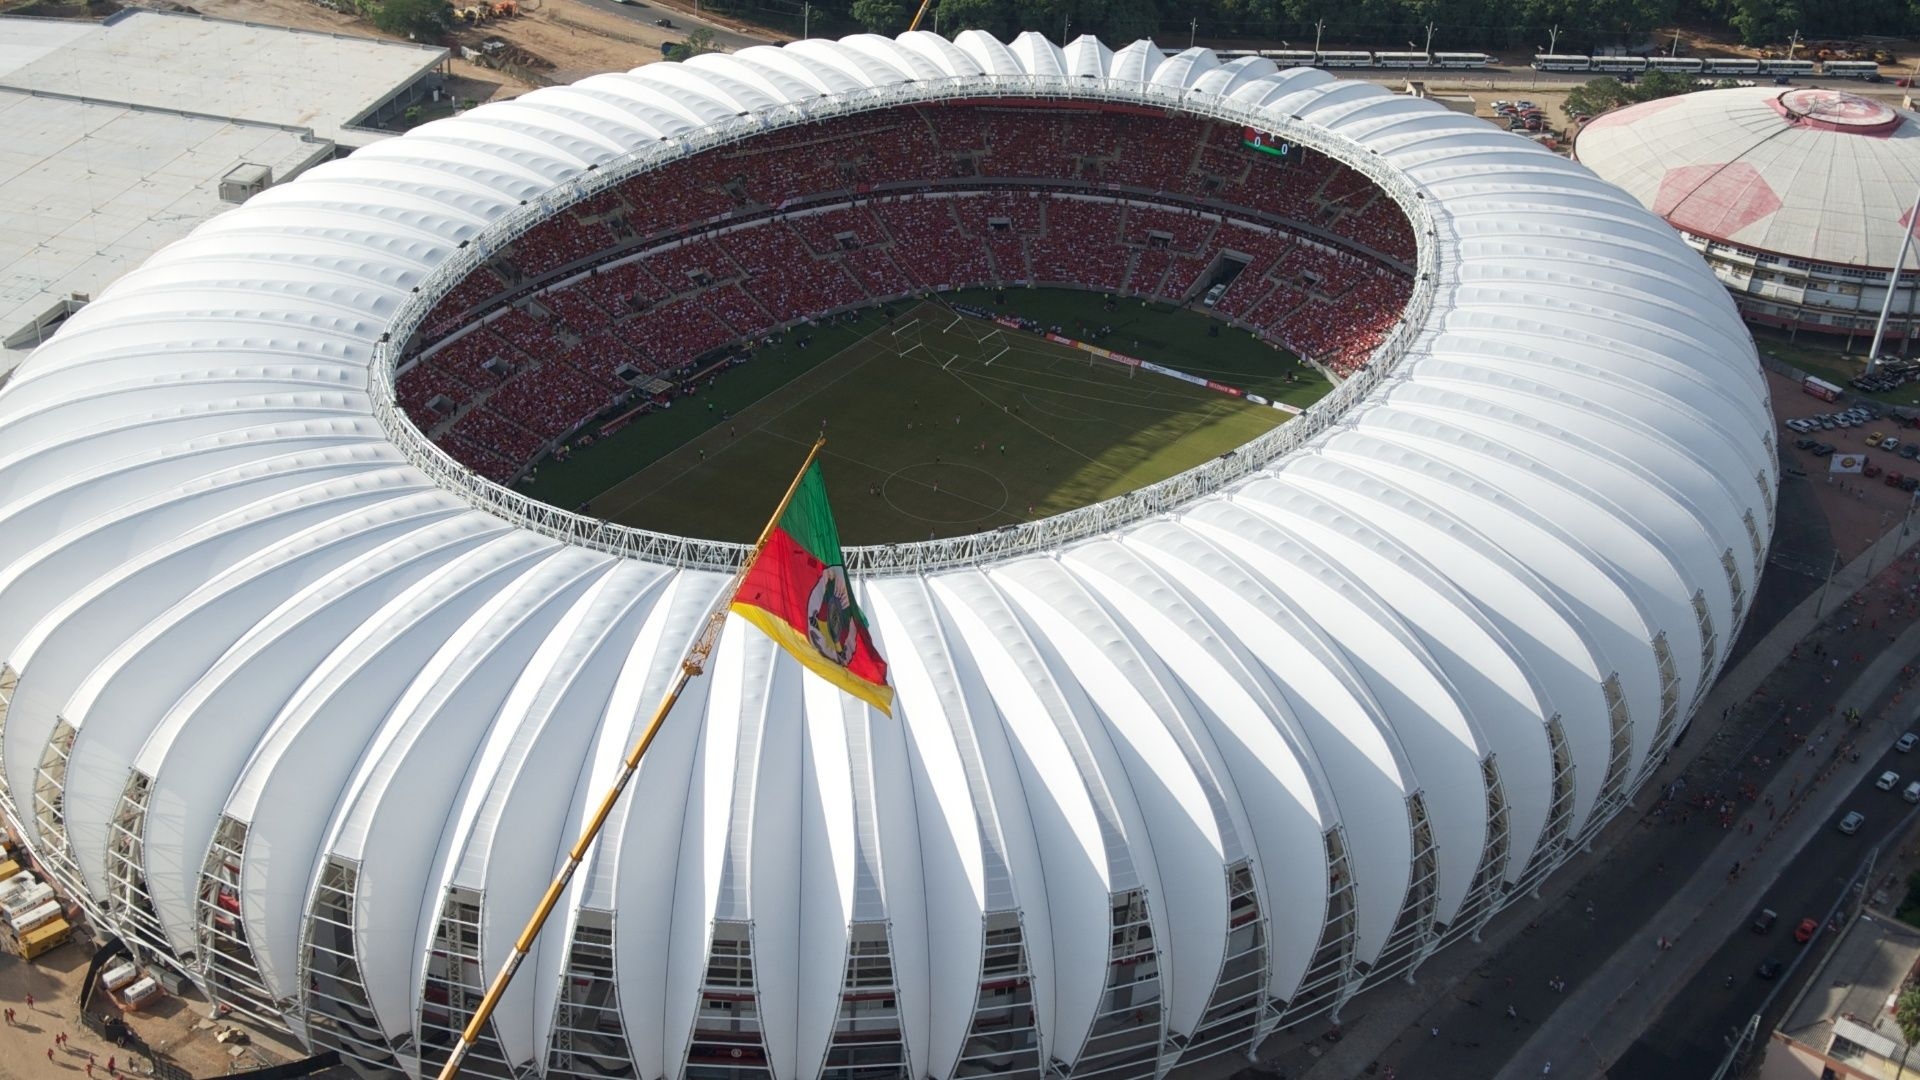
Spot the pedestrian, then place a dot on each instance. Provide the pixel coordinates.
(1547, 1068)
(49, 1055)
(29, 1001)
(1432, 1033)
(110, 1069)
(1512, 1013)
(89, 1070)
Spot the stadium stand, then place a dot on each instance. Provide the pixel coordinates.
(720, 248)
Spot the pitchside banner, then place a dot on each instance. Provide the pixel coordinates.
(1160, 369)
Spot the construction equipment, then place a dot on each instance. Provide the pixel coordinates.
(925, 5)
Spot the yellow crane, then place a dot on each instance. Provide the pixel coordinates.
(918, 15)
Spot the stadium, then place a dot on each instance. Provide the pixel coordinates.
(304, 697)
(1751, 177)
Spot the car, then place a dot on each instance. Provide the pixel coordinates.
(1890, 444)
(1905, 80)
(1909, 451)
(1804, 443)
(1912, 794)
(1906, 743)
(1874, 437)
(1852, 822)
(668, 23)
(1769, 969)
(1805, 931)
(1869, 471)
(1888, 780)
(1821, 449)
(1797, 424)
(1764, 921)
(1894, 479)
(1910, 484)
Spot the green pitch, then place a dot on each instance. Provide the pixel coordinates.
(937, 425)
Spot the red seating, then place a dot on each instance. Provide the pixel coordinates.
(917, 199)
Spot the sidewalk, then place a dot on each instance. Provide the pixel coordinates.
(1375, 1021)
(1630, 992)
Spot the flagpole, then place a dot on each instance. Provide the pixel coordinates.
(693, 663)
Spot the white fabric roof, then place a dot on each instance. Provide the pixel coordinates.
(1807, 173)
(217, 567)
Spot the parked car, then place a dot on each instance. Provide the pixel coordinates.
(1874, 437)
(1821, 449)
(1888, 780)
(1890, 444)
(1911, 483)
(1852, 822)
(1869, 471)
(1804, 443)
(1769, 968)
(1905, 743)
(1805, 931)
(1909, 451)
(1764, 921)
(1894, 479)
(1912, 794)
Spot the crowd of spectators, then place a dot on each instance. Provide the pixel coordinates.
(727, 245)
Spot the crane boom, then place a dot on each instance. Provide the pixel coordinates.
(918, 15)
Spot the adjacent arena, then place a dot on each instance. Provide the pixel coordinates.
(302, 705)
(1797, 197)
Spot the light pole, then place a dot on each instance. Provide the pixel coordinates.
(1820, 603)
(1675, 51)
(1553, 39)
(1193, 30)
(1793, 44)
(1429, 48)
(1893, 284)
(1066, 22)
(1317, 28)
(806, 20)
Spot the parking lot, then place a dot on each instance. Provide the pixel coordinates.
(1859, 506)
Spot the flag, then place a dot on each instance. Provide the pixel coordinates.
(796, 590)
(1846, 463)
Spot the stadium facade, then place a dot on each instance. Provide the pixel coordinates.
(1797, 197)
(304, 710)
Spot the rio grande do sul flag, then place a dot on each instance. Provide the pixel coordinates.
(796, 590)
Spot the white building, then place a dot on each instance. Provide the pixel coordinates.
(301, 709)
(1796, 196)
(118, 134)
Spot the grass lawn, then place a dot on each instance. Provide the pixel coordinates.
(1824, 358)
(907, 405)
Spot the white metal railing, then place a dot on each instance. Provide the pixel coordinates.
(920, 556)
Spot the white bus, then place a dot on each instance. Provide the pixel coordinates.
(1680, 65)
(1346, 59)
(1287, 58)
(1561, 62)
(1402, 60)
(1788, 67)
(1720, 65)
(1849, 69)
(1462, 60)
(1632, 65)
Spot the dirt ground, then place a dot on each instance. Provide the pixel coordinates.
(575, 39)
(171, 1026)
(1858, 510)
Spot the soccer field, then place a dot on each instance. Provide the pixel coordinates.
(937, 425)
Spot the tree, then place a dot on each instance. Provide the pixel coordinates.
(1596, 96)
(880, 16)
(1662, 84)
(418, 20)
(1906, 1013)
(699, 40)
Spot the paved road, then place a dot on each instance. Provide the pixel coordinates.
(1689, 1040)
(646, 13)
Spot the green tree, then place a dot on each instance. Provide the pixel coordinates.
(993, 16)
(1906, 1013)
(1662, 84)
(1596, 96)
(699, 40)
(880, 16)
(419, 20)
